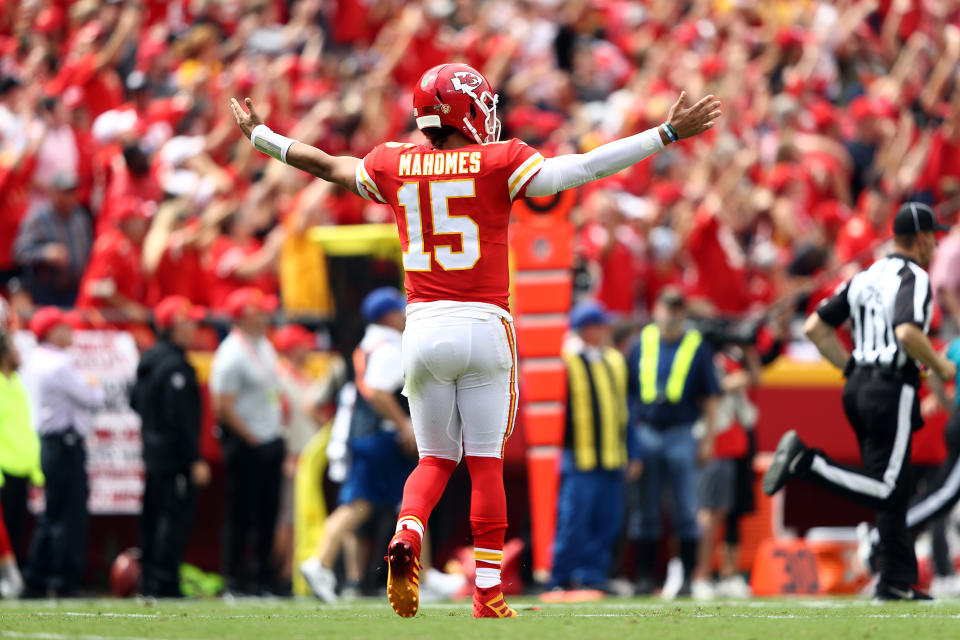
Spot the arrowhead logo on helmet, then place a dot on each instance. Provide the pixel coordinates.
(458, 96)
(466, 82)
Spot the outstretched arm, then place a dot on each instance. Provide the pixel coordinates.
(566, 172)
(341, 170)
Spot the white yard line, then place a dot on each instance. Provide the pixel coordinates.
(36, 635)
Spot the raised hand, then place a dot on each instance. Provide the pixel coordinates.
(696, 119)
(247, 121)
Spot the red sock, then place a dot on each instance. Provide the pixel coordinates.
(422, 491)
(488, 517)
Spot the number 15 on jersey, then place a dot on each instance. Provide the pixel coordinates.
(416, 258)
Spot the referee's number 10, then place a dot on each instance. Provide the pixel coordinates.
(442, 222)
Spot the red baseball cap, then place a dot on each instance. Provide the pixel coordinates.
(239, 302)
(174, 309)
(291, 336)
(48, 318)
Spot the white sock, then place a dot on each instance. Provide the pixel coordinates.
(412, 523)
(487, 578)
(487, 575)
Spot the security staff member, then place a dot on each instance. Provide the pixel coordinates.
(19, 444)
(889, 305)
(167, 397)
(598, 445)
(672, 384)
(59, 394)
(381, 442)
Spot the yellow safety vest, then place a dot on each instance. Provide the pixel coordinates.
(679, 370)
(607, 379)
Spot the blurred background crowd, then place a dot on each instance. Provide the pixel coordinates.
(124, 180)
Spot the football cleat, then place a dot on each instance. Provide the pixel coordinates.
(403, 573)
(886, 592)
(489, 603)
(785, 462)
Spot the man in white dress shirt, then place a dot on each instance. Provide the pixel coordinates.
(59, 398)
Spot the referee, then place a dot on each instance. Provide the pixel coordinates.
(889, 305)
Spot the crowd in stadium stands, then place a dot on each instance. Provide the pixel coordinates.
(115, 113)
(124, 179)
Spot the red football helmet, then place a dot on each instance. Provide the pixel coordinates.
(459, 96)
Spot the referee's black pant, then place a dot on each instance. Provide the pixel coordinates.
(883, 411)
(254, 476)
(165, 524)
(59, 545)
(944, 491)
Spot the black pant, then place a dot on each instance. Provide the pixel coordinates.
(13, 497)
(253, 500)
(944, 491)
(165, 524)
(58, 548)
(883, 412)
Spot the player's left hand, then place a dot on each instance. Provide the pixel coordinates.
(247, 121)
(696, 119)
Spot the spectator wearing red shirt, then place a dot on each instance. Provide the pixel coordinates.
(173, 253)
(90, 63)
(131, 178)
(859, 237)
(238, 259)
(16, 170)
(605, 244)
(720, 261)
(114, 278)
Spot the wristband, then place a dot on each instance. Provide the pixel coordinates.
(666, 130)
(672, 130)
(270, 143)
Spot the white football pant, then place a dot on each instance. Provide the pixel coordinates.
(460, 368)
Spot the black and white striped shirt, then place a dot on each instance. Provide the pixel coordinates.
(891, 292)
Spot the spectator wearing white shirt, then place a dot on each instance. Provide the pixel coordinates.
(60, 397)
(246, 403)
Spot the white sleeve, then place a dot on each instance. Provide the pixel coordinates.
(83, 394)
(566, 172)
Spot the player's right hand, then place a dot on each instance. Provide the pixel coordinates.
(696, 119)
(247, 121)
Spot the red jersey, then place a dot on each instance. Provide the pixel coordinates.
(452, 210)
(226, 254)
(114, 267)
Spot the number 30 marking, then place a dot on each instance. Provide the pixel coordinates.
(415, 258)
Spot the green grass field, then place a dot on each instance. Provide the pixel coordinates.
(616, 619)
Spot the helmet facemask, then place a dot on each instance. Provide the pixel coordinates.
(491, 124)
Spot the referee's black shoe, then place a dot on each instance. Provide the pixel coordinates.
(886, 592)
(785, 462)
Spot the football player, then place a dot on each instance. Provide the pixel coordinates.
(452, 199)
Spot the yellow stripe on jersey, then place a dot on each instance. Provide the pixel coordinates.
(365, 184)
(523, 173)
